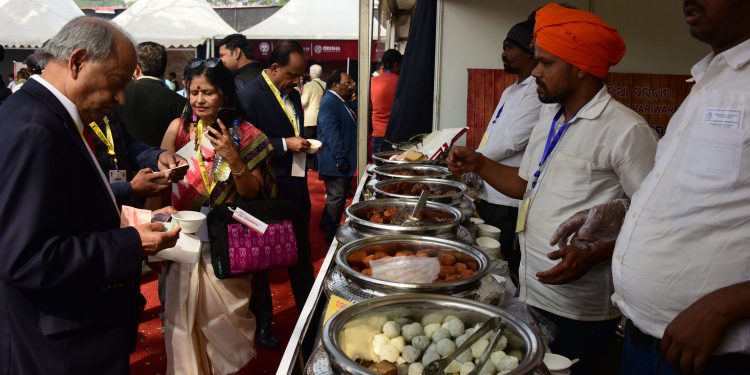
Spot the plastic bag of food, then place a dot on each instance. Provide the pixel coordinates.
(406, 269)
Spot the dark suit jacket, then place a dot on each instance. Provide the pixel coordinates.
(68, 273)
(149, 109)
(337, 130)
(246, 74)
(263, 110)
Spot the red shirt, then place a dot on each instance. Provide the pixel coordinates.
(382, 91)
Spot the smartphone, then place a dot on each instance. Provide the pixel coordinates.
(163, 180)
(227, 115)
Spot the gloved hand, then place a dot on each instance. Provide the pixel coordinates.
(343, 167)
(472, 180)
(598, 223)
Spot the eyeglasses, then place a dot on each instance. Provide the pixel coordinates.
(208, 63)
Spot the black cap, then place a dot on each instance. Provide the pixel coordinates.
(521, 35)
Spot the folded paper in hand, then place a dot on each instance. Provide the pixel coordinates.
(439, 141)
(186, 250)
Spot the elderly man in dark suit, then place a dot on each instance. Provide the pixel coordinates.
(337, 129)
(150, 106)
(68, 273)
(271, 104)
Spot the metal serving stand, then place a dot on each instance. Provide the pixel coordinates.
(305, 335)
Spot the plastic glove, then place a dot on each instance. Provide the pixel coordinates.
(472, 180)
(598, 223)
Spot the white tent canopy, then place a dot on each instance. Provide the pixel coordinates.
(29, 23)
(173, 23)
(312, 20)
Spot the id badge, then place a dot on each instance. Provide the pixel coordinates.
(117, 175)
(523, 210)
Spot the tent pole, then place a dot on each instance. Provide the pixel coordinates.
(347, 66)
(365, 50)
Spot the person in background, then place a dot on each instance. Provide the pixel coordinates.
(382, 92)
(680, 264)
(311, 96)
(150, 105)
(35, 63)
(337, 127)
(11, 81)
(587, 148)
(271, 103)
(69, 275)
(175, 82)
(21, 76)
(209, 328)
(507, 134)
(236, 53)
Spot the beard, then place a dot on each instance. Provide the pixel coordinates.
(510, 68)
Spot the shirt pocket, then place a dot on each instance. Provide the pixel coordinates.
(570, 176)
(714, 147)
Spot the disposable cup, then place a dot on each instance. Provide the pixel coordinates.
(486, 230)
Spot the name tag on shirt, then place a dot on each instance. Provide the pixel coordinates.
(117, 175)
(725, 118)
(523, 210)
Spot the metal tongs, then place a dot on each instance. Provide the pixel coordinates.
(492, 324)
(412, 220)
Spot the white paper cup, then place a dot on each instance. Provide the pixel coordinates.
(489, 246)
(486, 230)
(314, 146)
(189, 221)
(476, 220)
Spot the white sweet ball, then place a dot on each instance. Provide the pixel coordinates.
(416, 368)
(465, 356)
(449, 318)
(445, 347)
(410, 354)
(495, 357)
(432, 318)
(455, 327)
(391, 329)
(460, 340)
(429, 356)
(389, 353)
(378, 342)
(398, 342)
(440, 334)
(508, 362)
(453, 367)
(488, 369)
(502, 343)
(479, 347)
(420, 342)
(409, 331)
(430, 329)
(466, 368)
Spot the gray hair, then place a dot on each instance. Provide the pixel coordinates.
(92, 34)
(315, 71)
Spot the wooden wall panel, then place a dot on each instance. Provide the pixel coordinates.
(654, 96)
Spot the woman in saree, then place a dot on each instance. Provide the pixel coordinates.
(209, 328)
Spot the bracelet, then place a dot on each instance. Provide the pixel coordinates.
(241, 172)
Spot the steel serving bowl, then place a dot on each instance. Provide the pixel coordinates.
(458, 190)
(520, 335)
(357, 218)
(401, 171)
(383, 157)
(390, 244)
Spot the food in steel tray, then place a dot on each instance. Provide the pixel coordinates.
(453, 264)
(415, 188)
(403, 345)
(397, 216)
(414, 172)
(410, 155)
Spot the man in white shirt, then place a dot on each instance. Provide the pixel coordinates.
(681, 263)
(508, 132)
(587, 148)
(312, 94)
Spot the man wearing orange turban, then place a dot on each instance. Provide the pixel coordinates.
(587, 147)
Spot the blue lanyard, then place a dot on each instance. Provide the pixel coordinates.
(498, 113)
(552, 139)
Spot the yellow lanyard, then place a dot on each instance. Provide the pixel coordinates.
(86, 144)
(204, 174)
(108, 141)
(292, 117)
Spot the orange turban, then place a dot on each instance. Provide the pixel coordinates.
(578, 37)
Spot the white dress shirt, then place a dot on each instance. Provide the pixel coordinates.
(508, 132)
(73, 111)
(687, 232)
(605, 153)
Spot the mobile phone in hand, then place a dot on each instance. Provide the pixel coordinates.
(227, 115)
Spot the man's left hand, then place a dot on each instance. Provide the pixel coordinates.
(693, 335)
(575, 263)
(167, 160)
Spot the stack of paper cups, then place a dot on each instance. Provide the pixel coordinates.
(475, 221)
(489, 246)
(486, 230)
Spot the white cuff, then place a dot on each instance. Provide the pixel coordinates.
(283, 143)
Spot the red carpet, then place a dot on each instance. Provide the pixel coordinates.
(150, 357)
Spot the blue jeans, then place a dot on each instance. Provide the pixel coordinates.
(639, 359)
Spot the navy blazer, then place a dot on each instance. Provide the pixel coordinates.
(264, 112)
(337, 130)
(68, 273)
